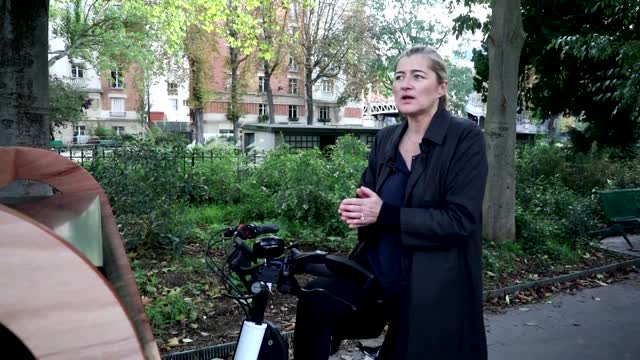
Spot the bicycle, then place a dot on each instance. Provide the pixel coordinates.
(258, 268)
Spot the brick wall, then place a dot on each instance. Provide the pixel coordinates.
(130, 90)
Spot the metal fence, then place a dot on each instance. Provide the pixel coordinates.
(84, 154)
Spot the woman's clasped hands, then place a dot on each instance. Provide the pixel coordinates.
(362, 210)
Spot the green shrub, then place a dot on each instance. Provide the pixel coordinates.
(304, 187)
(170, 308)
(144, 189)
(211, 176)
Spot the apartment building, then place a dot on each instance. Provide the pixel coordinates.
(117, 103)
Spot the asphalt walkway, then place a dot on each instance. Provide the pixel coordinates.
(594, 324)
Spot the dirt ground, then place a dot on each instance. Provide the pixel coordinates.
(218, 319)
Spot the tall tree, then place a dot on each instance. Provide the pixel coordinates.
(460, 86)
(327, 40)
(66, 104)
(400, 24)
(505, 43)
(505, 40)
(98, 32)
(196, 42)
(274, 42)
(589, 72)
(24, 79)
(241, 28)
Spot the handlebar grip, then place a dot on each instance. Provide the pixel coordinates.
(266, 229)
(250, 231)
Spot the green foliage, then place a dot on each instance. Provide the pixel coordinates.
(393, 34)
(145, 186)
(460, 86)
(212, 175)
(65, 103)
(590, 72)
(171, 307)
(305, 187)
(99, 33)
(102, 132)
(499, 258)
(556, 203)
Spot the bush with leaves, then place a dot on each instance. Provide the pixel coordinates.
(144, 185)
(303, 189)
(212, 176)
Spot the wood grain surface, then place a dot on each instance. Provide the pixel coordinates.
(73, 182)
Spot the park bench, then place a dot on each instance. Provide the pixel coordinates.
(622, 208)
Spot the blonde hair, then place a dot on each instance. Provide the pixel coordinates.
(436, 64)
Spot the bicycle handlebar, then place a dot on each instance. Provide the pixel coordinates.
(279, 269)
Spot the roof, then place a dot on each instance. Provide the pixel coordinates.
(329, 129)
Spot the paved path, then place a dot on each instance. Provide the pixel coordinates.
(595, 324)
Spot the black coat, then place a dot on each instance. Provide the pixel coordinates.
(440, 226)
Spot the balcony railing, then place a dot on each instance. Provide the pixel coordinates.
(78, 81)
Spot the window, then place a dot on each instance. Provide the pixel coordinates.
(77, 71)
(302, 142)
(370, 140)
(249, 139)
(293, 67)
(118, 130)
(293, 112)
(293, 86)
(261, 84)
(117, 107)
(323, 115)
(262, 109)
(174, 104)
(185, 103)
(79, 130)
(117, 80)
(172, 88)
(327, 86)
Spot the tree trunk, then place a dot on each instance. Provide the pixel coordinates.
(269, 90)
(505, 44)
(308, 86)
(198, 115)
(149, 103)
(197, 97)
(233, 114)
(24, 94)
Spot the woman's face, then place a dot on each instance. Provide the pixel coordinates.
(415, 86)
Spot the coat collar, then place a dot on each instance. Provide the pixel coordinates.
(435, 133)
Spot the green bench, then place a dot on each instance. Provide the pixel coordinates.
(622, 207)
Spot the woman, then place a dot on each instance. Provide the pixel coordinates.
(418, 213)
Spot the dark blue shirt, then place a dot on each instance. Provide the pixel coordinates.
(386, 256)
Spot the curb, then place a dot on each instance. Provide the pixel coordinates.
(559, 279)
(222, 350)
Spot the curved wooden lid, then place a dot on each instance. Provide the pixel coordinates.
(54, 300)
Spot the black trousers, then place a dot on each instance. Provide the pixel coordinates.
(322, 321)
